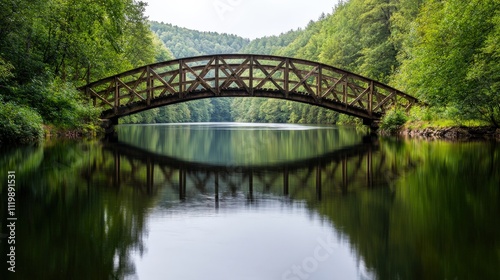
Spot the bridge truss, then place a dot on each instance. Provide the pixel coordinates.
(243, 75)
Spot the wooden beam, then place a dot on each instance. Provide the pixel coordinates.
(304, 79)
(234, 75)
(296, 71)
(165, 83)
(129, 89)
(332, 88)
(100, 97)
(117, 95)
(200, 78)
(387, 98)
(149, 86)
(269, 76)
(358, 98)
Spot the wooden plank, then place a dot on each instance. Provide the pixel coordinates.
(387, 98)
(250, 75)
(287, 77)
(200, 78)
(149, 86)
(217, 66)
(182, 78)
(296, 71)
(370, 98)
(360, 96)
(116, 96)
(319, 81)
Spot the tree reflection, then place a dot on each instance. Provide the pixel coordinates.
(437, 222)
(409, 209)
(72, 226)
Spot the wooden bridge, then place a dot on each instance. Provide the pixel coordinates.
(244, 75)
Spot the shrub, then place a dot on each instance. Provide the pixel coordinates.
(58, 103)
(393, 120)
(19, 125)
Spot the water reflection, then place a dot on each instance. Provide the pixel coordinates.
(358, 166)
(250, 221)
(238, 144)
(389, 209)
(71, 226)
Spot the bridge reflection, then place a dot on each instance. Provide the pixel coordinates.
(335, 173)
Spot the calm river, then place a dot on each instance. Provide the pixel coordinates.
(233, 201)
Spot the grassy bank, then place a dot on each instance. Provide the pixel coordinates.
(436, 123)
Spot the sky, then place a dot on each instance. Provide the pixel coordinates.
(246, 18)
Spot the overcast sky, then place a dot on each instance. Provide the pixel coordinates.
(246, 18)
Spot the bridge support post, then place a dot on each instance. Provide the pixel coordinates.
(372, 124)
(109, 126)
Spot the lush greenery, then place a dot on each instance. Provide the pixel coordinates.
(394, 120)
(19, 124)
(48, 48)
(271, 44)
(452, 58)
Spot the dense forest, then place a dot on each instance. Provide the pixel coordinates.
(183, 42)
(447, 53)
(48, 48)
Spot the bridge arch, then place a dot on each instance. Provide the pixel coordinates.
(244, 75)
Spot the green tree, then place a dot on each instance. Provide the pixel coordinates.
(485, 73)
(48, 48)
(221, 110)
(452, 59)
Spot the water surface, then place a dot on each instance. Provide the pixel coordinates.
(250, 201)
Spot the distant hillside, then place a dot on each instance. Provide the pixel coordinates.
(271, 44)
(184, 42)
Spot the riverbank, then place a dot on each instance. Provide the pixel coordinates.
(51, 131)
(454, 133)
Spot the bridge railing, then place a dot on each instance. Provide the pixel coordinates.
(245, 75)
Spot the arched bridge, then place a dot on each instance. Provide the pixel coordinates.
(243, 75)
